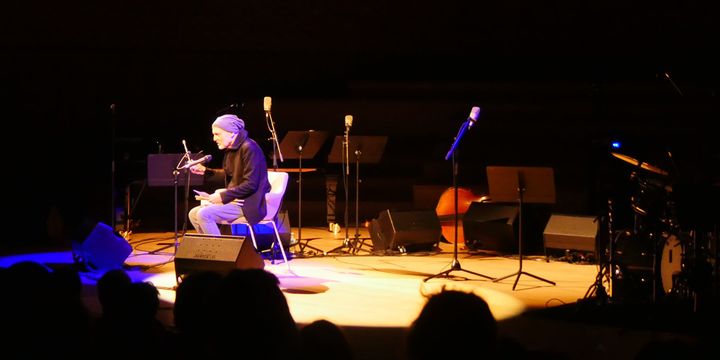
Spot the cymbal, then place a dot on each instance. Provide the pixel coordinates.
(293, 169)
(634, 162)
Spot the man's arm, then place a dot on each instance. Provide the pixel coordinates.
(251, 174)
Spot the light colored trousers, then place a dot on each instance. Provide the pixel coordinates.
(205, 218)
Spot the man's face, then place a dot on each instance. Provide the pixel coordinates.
(222, 138)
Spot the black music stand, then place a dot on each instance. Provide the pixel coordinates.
(295, 145)
(160, 169)
(524, 185)
(163, 170)
(365, 149)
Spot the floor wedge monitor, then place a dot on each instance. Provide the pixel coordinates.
(220, 253)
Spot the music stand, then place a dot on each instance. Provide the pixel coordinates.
(524, 185)
(365, 149)
(160, 169)
(294, 145)
(163, 171)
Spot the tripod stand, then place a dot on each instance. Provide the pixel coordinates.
(303, 143)
(367, 149)
(357, 244)
(455, 265)
(160, 166)
(524, 184)
(605, 273)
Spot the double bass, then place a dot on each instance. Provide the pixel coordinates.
(445, 210)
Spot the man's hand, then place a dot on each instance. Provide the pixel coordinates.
(198, 169)
(215, 198)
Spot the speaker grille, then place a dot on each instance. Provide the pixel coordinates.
(103, 250)
(219, 253)
(571, 233)
(489, 226)
(407, 229)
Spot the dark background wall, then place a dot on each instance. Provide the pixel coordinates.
(557, 81)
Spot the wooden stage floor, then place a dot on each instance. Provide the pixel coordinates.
(363, 289)
(386, 293)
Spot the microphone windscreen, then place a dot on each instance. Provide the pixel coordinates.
(267, 103)
(475, 113)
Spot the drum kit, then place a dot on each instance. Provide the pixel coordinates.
(657, 259)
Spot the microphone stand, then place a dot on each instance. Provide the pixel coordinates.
(300, 151)
(112, 166)
(455, 265)
(346, 175)
(357, 198)
(175, 243)
(357, 244)
(273, 137)
(187, 184)
(176, 173)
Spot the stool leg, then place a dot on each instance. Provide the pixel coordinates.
(252, 236)
(279, 243)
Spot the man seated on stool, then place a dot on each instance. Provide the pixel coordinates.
(244, 174)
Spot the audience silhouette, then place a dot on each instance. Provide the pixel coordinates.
(322, 339)
(42, 311)
(192, 312)
(453, 314)
(128, 325)
(244, 310)
(667, 349)
(234, 314)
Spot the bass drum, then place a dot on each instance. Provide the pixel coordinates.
(634, 267)
(671, 262)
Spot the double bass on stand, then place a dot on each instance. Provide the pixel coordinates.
(445, 210)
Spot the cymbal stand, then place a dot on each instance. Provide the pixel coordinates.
(605, 273)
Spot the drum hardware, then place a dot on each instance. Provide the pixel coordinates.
(640, 164)
(658, 258)
(673, 259)
(637, 266)
(694, 278)
(606, 272)
(658, 266)
(652, 198)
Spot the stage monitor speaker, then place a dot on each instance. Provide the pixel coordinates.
(569, 232)
(491, 227)
(405, 230)
(103, 250)
(219, 253)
